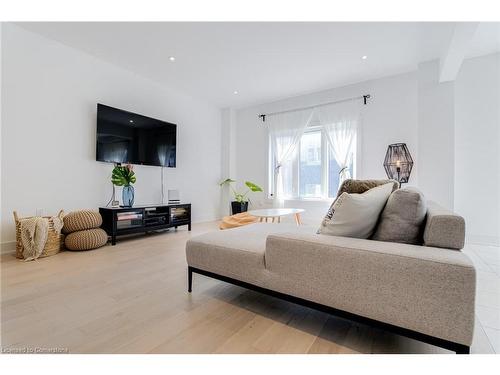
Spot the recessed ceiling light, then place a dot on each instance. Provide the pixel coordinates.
(364, 57)
(171, 58)
(235, 92)
(131, 121)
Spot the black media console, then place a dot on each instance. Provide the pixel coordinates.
(117, 221)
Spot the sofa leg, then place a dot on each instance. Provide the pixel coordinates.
(462, 349)
(190, 279)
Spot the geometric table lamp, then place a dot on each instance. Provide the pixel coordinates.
(398, 162)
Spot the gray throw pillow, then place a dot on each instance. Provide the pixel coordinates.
(403, 217)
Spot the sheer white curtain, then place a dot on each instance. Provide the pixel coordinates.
(340, 122)
(285, 131)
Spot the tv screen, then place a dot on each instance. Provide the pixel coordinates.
(126, 137)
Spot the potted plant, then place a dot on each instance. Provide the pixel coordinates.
(125, 176)
(240, 203)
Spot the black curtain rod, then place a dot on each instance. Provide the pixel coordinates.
(364, 97)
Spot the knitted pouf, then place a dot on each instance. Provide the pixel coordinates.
(81, 220)
(86, 239)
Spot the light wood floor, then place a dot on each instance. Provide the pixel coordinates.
(131, 298)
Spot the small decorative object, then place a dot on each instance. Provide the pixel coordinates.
(125, 176)
(114, 201)
(128, 196)
(174, 196)
(240, 203)
(398, 163)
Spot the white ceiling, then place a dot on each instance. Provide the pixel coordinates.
(263, 61)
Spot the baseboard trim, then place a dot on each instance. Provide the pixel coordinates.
(483, 240)
(205, 219)
(8, 247)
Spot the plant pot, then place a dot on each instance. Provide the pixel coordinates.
(128, 196)
(239, 207)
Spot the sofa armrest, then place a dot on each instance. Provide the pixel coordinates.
(443, 228)
(428, 290)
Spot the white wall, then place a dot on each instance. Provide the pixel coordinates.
(436, 127)
(228, 157)
(1, 127)
(49, 101)
(390, 117)
(477, 147)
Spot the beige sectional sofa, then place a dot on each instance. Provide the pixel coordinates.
(424, 292)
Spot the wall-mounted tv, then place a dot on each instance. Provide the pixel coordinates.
(126, 137)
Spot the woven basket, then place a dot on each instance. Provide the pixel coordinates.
(54, 240)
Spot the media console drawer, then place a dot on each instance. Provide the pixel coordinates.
(118, 221)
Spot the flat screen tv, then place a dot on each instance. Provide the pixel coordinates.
(126, 137)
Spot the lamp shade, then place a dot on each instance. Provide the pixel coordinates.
(398, 162)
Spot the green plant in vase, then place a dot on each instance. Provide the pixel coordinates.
(125, 176)
(240, 203)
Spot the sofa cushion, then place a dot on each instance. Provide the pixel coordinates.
(356, 215)
(403, 217)
(237, 252)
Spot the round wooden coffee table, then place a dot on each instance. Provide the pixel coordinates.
(276, 214)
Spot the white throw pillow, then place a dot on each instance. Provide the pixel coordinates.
(356, 215)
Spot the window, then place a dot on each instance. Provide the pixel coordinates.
(313, 172)
(310, 165)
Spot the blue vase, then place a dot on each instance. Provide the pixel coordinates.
(128, 196)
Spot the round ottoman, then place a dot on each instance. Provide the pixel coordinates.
(86, 239)
(81, 220)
